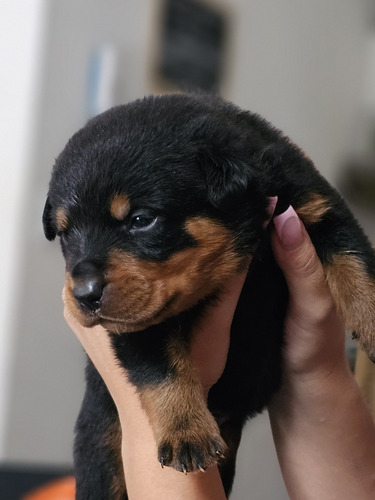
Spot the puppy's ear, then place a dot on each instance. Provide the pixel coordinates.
(48, 225)
(225, 178)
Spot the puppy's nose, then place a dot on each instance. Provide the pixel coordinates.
(89, 284)
(89, 292)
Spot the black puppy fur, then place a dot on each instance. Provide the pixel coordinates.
(157, 203)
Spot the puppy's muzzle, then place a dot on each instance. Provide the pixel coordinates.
(88, 286)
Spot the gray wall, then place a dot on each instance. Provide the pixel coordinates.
(298, 63)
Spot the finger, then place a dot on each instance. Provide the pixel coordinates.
(68, 316)
(86, 335)
(300, 264)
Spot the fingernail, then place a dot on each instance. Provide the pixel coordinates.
(272, 202)
(289, 229)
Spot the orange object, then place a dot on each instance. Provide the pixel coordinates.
(59, 489)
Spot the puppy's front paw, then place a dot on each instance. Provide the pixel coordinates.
(190, 451)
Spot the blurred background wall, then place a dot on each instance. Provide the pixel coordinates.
(305, 66)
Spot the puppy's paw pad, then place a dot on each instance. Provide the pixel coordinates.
(192, 455)
(165, 454)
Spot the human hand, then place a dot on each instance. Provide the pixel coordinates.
(97, 344)
(314, 330)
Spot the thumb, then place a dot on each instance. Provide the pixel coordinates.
(303, 271)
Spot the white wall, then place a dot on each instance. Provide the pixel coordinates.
(21, 44)
(46, 382)
(298, 63)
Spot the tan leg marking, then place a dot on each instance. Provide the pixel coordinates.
(120, 206)
(354, 293)
(186, 433)
(314, 210)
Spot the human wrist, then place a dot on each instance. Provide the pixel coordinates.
(325, 426)
(304, 394)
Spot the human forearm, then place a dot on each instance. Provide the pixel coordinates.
(325, 438)
(323, 430)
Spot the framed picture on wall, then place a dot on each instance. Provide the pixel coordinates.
(191, 45)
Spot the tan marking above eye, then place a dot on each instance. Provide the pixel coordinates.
(313, 210)
(120, 206)
(61, 219)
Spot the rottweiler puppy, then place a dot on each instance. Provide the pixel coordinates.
(157, 204)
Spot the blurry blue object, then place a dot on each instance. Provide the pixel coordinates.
(101, 79)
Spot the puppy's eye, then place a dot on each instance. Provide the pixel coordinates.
(141, 222)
